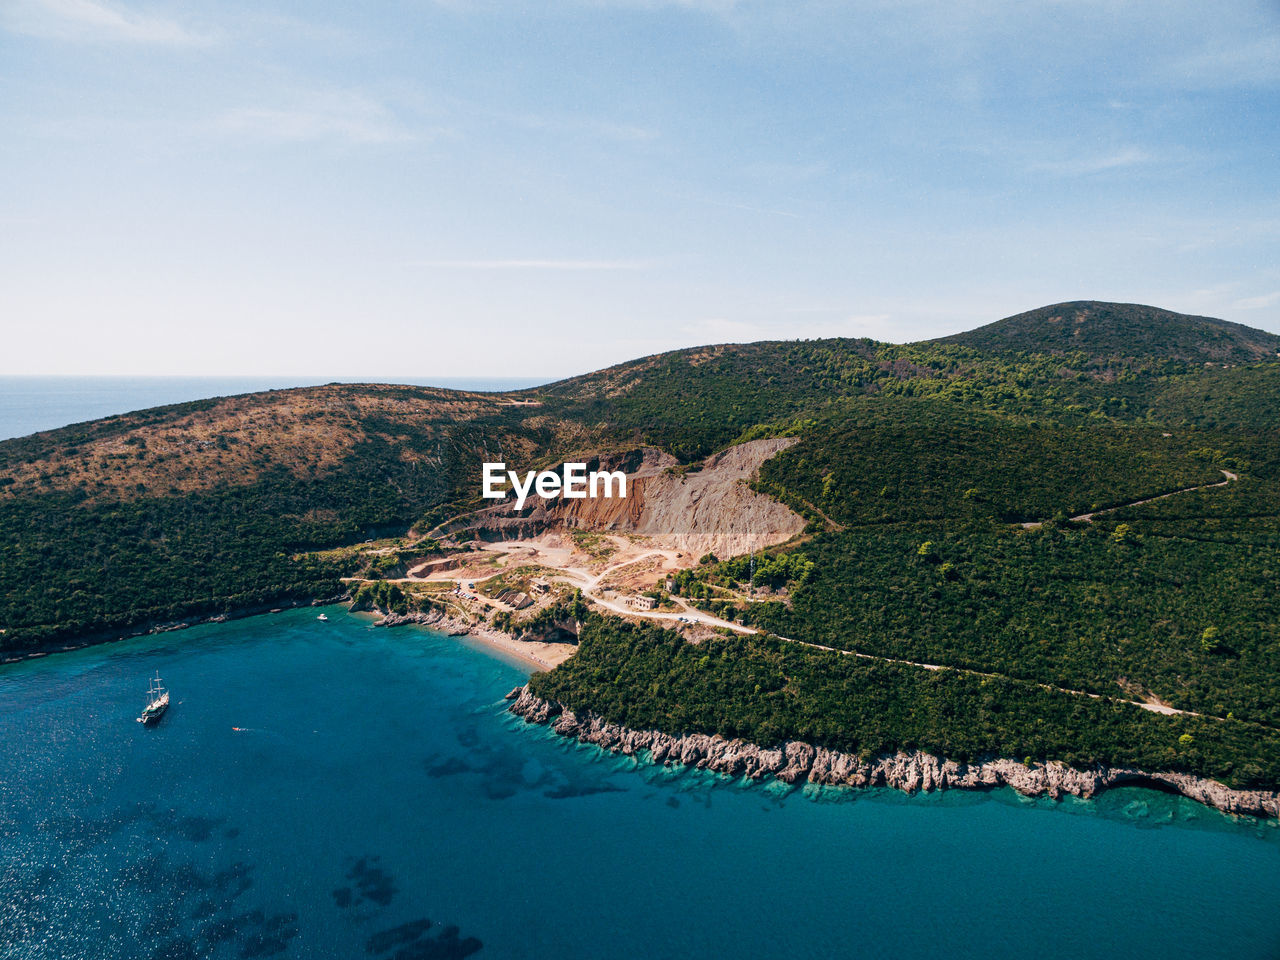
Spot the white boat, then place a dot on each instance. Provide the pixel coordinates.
(157, 702)
(324, 617)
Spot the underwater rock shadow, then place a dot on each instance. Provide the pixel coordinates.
(369, 883)
(414, 942)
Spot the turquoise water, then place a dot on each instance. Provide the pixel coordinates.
(376, 784)
(31, 404)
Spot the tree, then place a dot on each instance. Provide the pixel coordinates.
(1209, 639)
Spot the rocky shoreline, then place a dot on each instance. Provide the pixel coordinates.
(796, 762)
(445, 623)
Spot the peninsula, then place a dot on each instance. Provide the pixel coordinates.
(1041, 553)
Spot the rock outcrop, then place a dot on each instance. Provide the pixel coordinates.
(795, 762)
(445, 623)
(708, 509)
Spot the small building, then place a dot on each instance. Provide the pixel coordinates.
(515, 599)
(643, 603)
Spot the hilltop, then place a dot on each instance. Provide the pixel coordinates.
(1114, 330)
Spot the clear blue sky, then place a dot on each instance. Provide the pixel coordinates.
(508, 188)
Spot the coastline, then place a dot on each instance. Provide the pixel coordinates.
(149, 627)
(539, 655)
(792, 762)
(795, 762)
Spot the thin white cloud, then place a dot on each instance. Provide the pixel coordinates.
(602, 129)
(725, 330)
(733, 205)
(1258, 303)
(713, 7)
(865, 324)
(704, 6)
(1087, 166)
(1251, 62)
(95, 21)
(534, 264)
(623, 132)
(317, 116)
(1193, 235)
(792, 172)
(719, 7)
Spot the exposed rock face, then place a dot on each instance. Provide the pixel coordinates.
(709, 510)
(453, 626)
(557, 631)
(794, 762)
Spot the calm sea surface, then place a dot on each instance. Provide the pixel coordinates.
(31, 404)
(330, 790)
(334, 791)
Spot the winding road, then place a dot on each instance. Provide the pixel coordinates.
(1088, 517)
(589, 584)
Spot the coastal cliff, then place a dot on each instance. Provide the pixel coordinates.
(794, 762)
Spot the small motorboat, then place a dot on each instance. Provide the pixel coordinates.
(324, 617)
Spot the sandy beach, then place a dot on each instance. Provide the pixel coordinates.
(542, 656)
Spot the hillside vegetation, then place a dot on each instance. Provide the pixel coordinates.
(1112, 330)
(768, 691)
(938, 481)
(211, 507)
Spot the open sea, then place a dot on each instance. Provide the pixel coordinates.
(332, 790)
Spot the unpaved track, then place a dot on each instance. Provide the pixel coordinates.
(588, 583)
(1088, 517)
(698, 616)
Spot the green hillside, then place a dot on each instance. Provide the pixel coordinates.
(1112, 330)
(939, 481)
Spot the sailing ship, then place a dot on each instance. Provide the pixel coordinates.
(157, 702)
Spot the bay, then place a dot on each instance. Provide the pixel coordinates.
(334, 790)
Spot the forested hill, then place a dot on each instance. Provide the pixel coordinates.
(222, 503)
(1114, 330)
(938, 480)
(218, 506)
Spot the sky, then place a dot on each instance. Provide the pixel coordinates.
(454, 188)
